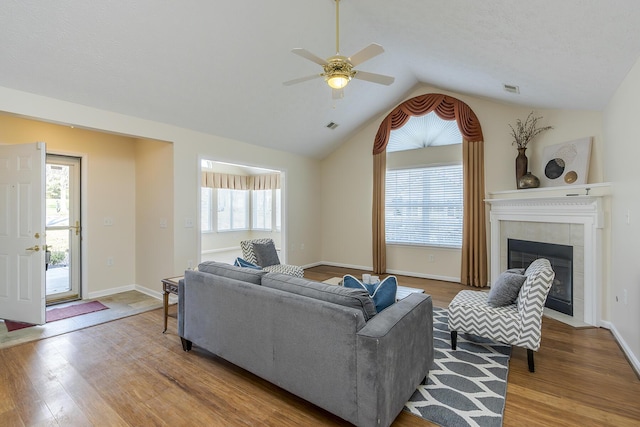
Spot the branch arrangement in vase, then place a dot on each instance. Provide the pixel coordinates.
(525, 131)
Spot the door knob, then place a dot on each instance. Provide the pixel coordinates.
(34, 248)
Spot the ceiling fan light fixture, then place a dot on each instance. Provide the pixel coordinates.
(338, 81)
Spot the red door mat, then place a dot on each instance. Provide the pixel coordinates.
(60, 313)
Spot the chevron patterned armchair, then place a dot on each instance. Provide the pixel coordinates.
(249, 254)
(517, 324)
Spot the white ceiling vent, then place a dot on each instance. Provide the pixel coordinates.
(332, 125)
(511, 88)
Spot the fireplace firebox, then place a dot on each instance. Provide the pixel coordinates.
(520, 253)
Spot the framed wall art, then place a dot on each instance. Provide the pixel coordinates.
(566, 163)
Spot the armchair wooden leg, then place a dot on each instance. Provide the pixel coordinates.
(530, 360)
(454, 339)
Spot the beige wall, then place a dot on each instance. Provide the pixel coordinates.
(154, 212)
(621, 166)
(347, 175)
(301, 204)
(108, 172)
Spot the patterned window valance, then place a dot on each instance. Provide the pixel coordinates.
(446, 107)
(241, 182)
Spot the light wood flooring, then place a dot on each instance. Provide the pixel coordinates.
(127, 373)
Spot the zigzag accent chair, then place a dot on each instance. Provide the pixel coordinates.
(517, 324)
(249, 254)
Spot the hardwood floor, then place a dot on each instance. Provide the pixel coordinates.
(127, 373)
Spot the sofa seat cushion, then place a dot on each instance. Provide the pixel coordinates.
(291, 270)
(355, 298)
(470, 312)
(244, 274)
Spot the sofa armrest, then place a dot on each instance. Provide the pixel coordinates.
(395, 353)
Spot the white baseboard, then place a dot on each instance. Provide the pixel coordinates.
(107, 292)
(215, 251)
(152, 293)
(425, 276)
(399, 272)
(633, 360)
(355, 267)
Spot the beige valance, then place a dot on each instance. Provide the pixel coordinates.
(241, 182)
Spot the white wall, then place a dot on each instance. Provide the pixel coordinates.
(301, 183)
(347, 176)
(621, 166)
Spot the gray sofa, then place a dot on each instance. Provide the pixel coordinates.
(323, 343)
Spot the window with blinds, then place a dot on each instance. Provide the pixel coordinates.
(424, 206)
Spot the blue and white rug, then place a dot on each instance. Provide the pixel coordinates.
(466, 387)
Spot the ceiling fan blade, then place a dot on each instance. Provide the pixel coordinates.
(365, 54)
(308, 55)
(337, 93)
(374, 78)
(301, 79)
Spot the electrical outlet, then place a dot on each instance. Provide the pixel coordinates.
(110, 261)
(189, 264)
(188, 222)
(624, 297)
(108, 221)
(163, 222)
(432, 258)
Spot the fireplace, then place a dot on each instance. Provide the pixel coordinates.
(520, 253)
(550, 215)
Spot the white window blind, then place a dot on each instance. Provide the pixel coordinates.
(233, 209)
(206, 209)
(261, 209)
(424, 206)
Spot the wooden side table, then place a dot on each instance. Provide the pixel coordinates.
(169, 286)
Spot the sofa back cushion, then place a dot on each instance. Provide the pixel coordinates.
(244, 274)
(354, 298)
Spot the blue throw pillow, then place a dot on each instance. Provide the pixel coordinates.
(382, 293)
(242, 263)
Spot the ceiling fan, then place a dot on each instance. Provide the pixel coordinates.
(338, 69)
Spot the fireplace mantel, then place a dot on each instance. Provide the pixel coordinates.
(566, 205)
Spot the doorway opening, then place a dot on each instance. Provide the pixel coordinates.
(239, 202)
(63, 229)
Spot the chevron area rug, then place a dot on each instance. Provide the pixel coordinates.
(466, 387)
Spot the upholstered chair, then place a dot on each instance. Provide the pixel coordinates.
(518, 323)
(262, 252)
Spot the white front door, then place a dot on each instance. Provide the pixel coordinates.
(22, 228)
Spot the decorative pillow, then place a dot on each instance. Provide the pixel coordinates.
(505, 289)
(266, 254)
(515, 270)
(354, 298)
(242, 263)
(383, 293)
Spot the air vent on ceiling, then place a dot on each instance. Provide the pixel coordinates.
(332, 125)
(511, 88)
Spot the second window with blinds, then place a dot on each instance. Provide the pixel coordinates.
(424, 206)
(236, 210)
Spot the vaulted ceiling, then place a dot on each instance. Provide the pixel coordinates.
(218, 66)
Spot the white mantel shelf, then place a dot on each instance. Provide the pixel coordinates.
(566, 205)
(597, 189)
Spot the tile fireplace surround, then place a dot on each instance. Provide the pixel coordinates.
(571, 216)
